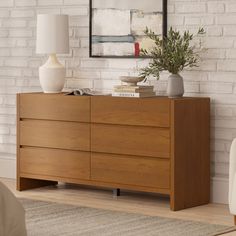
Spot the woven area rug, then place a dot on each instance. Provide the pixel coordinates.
(49, 219)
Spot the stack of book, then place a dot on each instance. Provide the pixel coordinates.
(133, 91)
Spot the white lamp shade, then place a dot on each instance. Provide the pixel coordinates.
(52, 34)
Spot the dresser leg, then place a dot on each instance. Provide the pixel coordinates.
(234, 220)
(116, 192)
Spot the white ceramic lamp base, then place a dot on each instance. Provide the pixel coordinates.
(52, 75)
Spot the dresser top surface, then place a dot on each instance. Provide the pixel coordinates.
(111, 97)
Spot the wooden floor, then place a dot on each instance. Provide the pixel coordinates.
(148, 204)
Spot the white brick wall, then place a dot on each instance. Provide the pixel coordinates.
(216, 76)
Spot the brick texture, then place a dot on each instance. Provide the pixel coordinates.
(215, 77)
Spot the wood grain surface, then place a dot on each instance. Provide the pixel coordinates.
(190, 153)
(55, 134)
(133, 140)
(54, 162)
(133, 170)
(131, 111)
(155, 144)
(54, 107)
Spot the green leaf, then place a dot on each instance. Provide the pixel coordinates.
(172, 53)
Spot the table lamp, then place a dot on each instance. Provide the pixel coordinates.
(52, 39)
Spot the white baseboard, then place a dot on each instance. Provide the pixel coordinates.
(8, 168)
(219, 190)
(219, 186)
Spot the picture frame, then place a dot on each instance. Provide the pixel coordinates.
(116, 27)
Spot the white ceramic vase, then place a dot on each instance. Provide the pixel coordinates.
(175, 87)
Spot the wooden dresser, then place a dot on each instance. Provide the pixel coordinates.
(158, 145)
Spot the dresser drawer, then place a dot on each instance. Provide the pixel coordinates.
(54, 107)
(131, 111)
(55, 134)
(53, 162)
(131, 170)
(132, 140)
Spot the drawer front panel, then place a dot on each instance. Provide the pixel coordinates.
(55, 134)
(54, 107)
(132, 140)
(53, 162)
(132, 170)
(131, 111)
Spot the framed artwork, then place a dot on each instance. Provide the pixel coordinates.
(117, 26)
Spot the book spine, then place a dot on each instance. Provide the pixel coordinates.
(132, 87)
(124, 90)
(120, 94)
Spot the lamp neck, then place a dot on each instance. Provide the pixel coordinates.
(53, 58)
(53, 61)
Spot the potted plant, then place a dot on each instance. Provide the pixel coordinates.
(172, 53)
